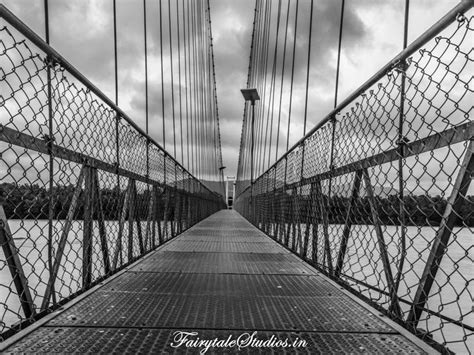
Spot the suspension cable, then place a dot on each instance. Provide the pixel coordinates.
(162, 82)
(172, 78)
(275, 61)
(180, 84)
(308, 67)
(341, 26)
(146, 66)
(292, 76)
(282, 79)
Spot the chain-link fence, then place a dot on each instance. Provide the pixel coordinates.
(84, 190)
(378, 195)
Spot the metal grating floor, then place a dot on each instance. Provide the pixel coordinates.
(224, 263)
(159, 341)
(223, 247)
(223, 239)
(222, 278)
(141, 309)
(222, 284)
(226, 234)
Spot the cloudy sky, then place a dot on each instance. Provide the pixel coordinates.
(82, 31)
(372, 35)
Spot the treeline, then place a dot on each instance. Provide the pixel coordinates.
(32, 202)
(421, 210)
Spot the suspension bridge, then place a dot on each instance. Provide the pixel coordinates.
(115, 232)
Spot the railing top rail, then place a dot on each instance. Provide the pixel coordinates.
(429, 34)
(46, 48)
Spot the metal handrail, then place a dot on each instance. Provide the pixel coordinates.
(429, 34)
(378, 195)
(104, 184)
(58, 58)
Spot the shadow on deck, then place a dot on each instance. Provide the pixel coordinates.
(222, 278)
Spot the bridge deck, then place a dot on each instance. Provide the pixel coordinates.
(221, 278)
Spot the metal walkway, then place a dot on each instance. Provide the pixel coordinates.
(221, 278)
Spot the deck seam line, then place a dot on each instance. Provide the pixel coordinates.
(212, 273)
(222, 252)
(95, 326)
(225, 273)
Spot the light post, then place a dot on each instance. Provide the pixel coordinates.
(221, 173)
(229, 193)
(252, 96)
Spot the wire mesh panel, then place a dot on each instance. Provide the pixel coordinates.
(379, 195)
(84, 191)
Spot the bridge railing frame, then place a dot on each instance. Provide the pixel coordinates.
(126, 191)
(295, 201)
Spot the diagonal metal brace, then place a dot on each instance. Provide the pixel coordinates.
(440, 243)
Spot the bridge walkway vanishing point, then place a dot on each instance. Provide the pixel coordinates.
(223, 277)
